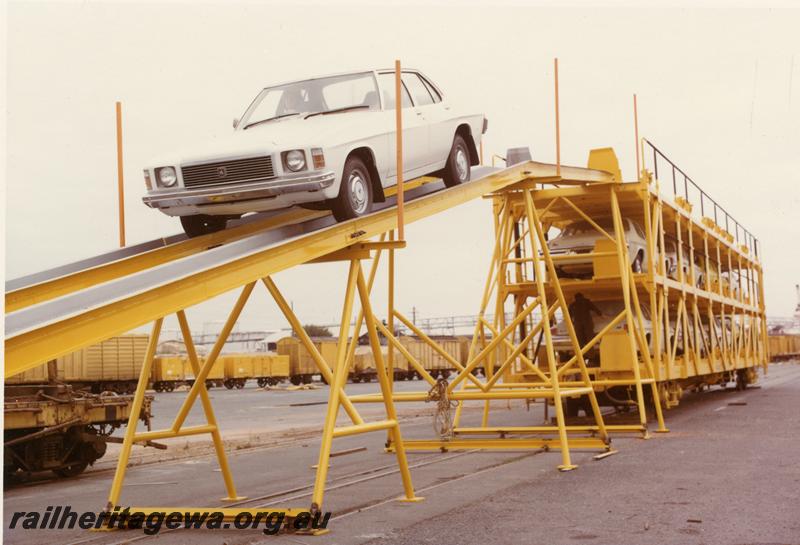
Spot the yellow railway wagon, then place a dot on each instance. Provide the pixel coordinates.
(270, 369)
(216, 377)
(302, 366)
(168, 372)
(431, 360)
(784, 347)
(238, 368)
(36, 375)
(113, 365)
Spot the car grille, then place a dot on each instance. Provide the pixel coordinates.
(252, 169)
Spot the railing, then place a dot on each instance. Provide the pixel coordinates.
(690, 187)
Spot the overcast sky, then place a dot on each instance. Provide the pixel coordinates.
(719, 92)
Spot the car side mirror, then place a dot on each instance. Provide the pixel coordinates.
(235, 122)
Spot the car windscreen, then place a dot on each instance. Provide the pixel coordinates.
(313, 96)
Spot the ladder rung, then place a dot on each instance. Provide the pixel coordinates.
(367, 427)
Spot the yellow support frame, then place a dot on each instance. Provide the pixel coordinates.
(336, 377)
(506, 349)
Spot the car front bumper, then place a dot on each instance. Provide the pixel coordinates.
(240, 192)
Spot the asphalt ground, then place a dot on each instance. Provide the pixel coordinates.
(727, 473)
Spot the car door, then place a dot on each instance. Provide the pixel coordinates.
(429, 111)
(415, 132)
(441, 122)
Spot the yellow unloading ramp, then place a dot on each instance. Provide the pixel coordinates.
(59, 311)
(66, 313)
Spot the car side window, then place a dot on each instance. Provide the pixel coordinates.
(420, 93)
(432, 90)
(386, 82)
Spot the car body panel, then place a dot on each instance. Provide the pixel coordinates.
(579, 237)
(428, 133)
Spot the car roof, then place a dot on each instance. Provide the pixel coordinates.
(348, 73)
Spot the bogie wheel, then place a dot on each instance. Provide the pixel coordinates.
(355, 191)
(261, 382)
(240, 384)
(296, 380)
(229, 384)
(195, 226)
(457, 169)
(170, 387)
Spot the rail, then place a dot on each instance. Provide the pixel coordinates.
(747, 236)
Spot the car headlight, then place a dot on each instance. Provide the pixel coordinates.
(294, 160)
(147, 181)
(166, 176)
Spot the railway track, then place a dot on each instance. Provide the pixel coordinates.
(341, 482)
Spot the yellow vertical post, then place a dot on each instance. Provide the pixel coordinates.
(390, 317)
(339, 379)
(625, 275)
(534, 224)
(566, 462)
(120, 178)
(391, 414)
(211, 418)
(390, 325)
(133, 419)
(500, 211)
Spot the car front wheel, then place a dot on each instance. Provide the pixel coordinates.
(195, 226)
(355, 191)
(456, 171)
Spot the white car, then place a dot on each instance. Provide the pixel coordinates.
(671, 264)
(327, 142)
(580, 236)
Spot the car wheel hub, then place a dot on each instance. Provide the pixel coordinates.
(358, 192)
(461, 164)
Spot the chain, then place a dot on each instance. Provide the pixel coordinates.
(442, 418)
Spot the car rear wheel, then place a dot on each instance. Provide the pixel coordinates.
(458, 163)
(355, 191)
(195, 226)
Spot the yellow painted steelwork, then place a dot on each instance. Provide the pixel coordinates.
(518, 356)
(44, 343)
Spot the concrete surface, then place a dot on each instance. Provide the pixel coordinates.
(730, 467)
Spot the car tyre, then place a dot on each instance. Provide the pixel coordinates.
(195, 226)
(457, 169)
(355, 191)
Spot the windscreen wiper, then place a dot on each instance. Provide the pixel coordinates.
(268, 119)
(336, 110)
